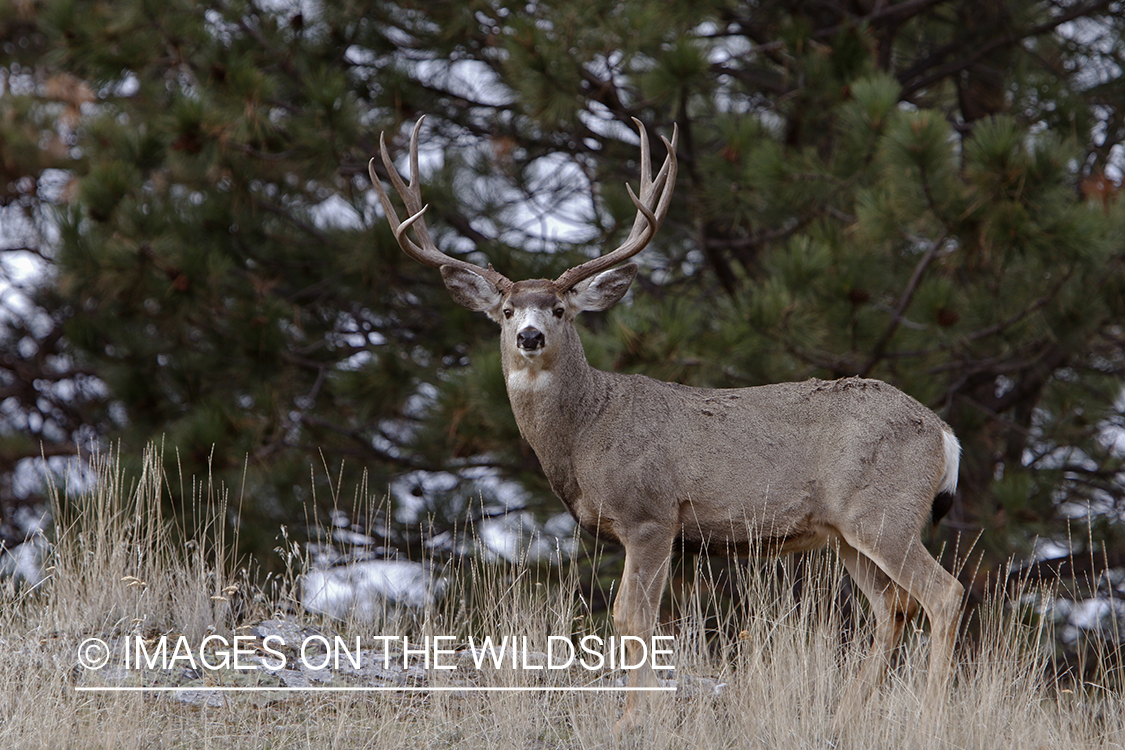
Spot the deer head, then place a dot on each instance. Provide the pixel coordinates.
(534, 315)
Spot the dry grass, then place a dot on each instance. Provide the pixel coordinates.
(770, 675)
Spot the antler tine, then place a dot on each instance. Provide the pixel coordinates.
(646, 155)
(411, 195)
(652, 206)
(649, 186)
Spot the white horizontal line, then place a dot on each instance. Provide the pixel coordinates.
(372, 689)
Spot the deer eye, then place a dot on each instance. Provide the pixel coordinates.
(507, 312)
(559, 312)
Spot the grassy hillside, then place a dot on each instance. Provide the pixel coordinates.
(770, 675)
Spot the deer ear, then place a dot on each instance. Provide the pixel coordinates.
(605, 290)
(472, 290)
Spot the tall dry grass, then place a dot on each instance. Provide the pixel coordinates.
(769, 674)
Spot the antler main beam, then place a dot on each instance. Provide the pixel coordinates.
(411, 194)
(652, 207)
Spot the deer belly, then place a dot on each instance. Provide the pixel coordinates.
(780, 521)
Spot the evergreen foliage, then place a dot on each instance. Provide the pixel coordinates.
(922, 192)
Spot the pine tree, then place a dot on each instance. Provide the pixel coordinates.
(49, 402)
(908, 191)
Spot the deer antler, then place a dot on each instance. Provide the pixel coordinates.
(411, 196)
(651, 209)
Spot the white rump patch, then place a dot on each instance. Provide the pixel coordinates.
(952, 462)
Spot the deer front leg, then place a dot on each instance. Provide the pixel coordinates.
(648, 548)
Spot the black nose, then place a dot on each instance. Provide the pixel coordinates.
(530, 339)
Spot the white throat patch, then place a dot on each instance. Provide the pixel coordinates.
(529, 379)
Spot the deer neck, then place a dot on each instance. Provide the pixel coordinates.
(552, 397)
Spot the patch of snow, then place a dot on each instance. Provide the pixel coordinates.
(362, 589)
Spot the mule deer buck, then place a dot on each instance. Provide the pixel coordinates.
(794, 466)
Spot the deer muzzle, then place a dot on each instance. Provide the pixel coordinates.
(530, 339)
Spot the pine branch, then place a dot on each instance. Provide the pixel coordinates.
(904, 301)
(893, 14)
(1036, 305)
(982, 50)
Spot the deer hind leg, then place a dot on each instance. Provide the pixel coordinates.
(648, 548)
(910, 566)
(892, 607)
